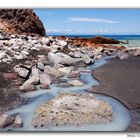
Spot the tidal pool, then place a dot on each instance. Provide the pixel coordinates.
(121, 115)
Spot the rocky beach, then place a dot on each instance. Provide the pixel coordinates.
(64, 83)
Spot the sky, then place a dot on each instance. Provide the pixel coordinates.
(90, 21)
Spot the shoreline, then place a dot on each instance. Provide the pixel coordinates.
(128, 93)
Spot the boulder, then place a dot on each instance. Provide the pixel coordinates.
(2, 55)
(62, 43)
(45, 79)
(53, 72)
(72, 109)
(98, 57)
(136, 52)
(45, 40)
(26, 88)
(10, 76)
(35, 72)
(40, 66)
(20, 56)
(44, 86)
(66, 70)
(122, 56)
(24, 72)
(61, 58)
(5, 120)
(18, 122)
(74, 74)
(76, 83)
(86, 58)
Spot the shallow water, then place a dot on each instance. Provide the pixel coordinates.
(121, 116)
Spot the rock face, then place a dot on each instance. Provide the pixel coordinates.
(72, 109)
(20, 21)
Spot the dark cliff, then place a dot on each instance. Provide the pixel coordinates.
(21, 21)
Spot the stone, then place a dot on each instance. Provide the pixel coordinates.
(10, 76)
(66, 70)
(26, 88)
(24, 72)
(40, 66)
(98, 57)
(77, 54)
(91, 54)
(136, 52)
(32, 80)
(72, 109)
(53, 72)
(87, 59)
(74, 74)
(62, 43)
(45, 40)
(64, 85)
(2, 55)
(122, 56)
(35, 72)
(45, 79)
(44, 86)
(5, 120)
(25, 52)
(61, 58)
(18, 122)
(20, 56)
(76, 83)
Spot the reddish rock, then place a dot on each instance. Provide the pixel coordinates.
(10, 76)
(93, 41)
(21, 21)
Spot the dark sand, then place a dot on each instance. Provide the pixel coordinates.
(121, 79)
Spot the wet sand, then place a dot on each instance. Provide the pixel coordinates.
(121, 79)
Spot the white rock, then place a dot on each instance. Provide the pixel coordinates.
(18, 122)
(52, 71)
(45, 79)
(21, 56)
(98, 56)
(66, 70)
(35, 71)
(40, 66)
(5, 120)
(62, 43)
(61, 58)
(26, 88)
(2, 54)
(136, 52)
(76, 83)
(45, 40)
(25, 52)
(86, 58)
(22, 72)
(122, 56)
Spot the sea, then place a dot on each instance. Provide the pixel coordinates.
(133, 40)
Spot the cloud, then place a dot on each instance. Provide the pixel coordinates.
(60, 30)
(81, 19)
